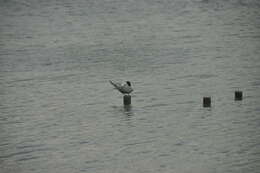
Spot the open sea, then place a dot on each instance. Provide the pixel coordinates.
(59, 113)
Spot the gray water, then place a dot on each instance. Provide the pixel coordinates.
(59, 114)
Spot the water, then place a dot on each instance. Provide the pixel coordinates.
(58, 112)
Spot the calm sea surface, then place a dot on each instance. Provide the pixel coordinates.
(59, 114)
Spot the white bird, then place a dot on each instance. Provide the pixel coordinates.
(123, 88)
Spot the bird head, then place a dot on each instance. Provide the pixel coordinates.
(128, 83)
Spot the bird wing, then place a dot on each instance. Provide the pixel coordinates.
(124, 89)
(118, 86)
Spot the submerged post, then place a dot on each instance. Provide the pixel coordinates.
(127, 100)
(238, 95)
(206, 102)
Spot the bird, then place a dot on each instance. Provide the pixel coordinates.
(123, 88)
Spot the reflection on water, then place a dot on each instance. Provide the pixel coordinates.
(125, 109)
(128, 110)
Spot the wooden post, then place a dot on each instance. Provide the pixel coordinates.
(238, 95)
(127, 100)
(206, 102)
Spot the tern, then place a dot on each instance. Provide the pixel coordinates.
(123, 88)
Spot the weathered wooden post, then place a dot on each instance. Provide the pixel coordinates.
(127, 100)
(206, 102)
(238, 95)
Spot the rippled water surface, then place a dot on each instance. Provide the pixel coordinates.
(58, 112)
